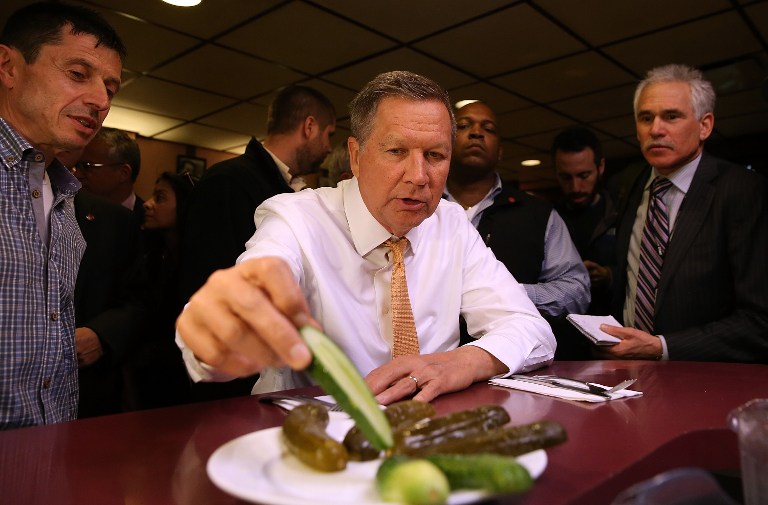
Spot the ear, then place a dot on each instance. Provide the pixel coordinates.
(354, 156)
(601, 167)
(9, 60)
(309, 126)
(501, 151)
(125, 172)
(706, 124)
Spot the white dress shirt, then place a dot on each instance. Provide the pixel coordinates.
(334, 247)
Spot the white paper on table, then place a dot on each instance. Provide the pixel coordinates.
(565, 394)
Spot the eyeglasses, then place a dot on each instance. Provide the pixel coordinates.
(87, 166)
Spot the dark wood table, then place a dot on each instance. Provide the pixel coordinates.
(159, 456)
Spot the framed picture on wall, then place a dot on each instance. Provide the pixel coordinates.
(195, 166)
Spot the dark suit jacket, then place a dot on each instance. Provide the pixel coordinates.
(220, 217)
(712, 300)
(109, 297)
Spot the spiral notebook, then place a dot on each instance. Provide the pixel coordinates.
(590, 327)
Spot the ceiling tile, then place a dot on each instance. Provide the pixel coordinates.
(147, 45)
(716, 38)
(497, 99)
(152, 95)
(564, 78)
(139, 122)
(356, 76)
(235, 74)
(506, 41)
(602, 105)
(600, 21)
(531, 120)
(310, 40)
(737, 76)
(205, 20)
(387, 17)
(339, 97)
(759, 15)
(204, 136)
(622, 126)
(737, 104)
(742, 125)
(246, 118)
(620, 148)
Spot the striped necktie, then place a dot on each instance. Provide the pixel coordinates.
(404, 338)
(652, 249)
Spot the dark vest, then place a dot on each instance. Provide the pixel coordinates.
(514, 228)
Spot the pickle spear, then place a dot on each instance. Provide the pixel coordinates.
(332, 369)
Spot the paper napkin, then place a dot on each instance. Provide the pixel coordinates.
(557, 392)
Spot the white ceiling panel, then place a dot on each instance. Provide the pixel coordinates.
(152, 95)
(204, 136)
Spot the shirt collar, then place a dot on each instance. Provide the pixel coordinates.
(489, 197)
(367, 233)
(284, 169)
(680, 178)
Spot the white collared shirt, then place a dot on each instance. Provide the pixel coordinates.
(334, 247)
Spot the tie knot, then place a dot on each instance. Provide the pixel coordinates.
(398, 248)
(659, 186)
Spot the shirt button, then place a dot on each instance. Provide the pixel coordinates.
(54, 316)
(46, 383)
(11, 159)
(36, 193)
(38, 157)
(385, 311)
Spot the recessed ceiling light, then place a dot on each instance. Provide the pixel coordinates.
(183, 3)
(462, 103)
(530, 163)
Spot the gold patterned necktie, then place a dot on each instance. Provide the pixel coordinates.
(404, 338)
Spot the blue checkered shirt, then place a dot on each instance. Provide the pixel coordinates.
(38, 363)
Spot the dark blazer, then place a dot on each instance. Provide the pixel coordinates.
(220, 216)
(712, 300)
(109, 297)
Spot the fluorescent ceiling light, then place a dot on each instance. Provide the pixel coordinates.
(530, 163)
(183, 3)
(462, 103)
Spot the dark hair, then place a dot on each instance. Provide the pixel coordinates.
(398, 83)
(182, 185)
(33, 26)
(293, 104)
(575, 139)
(122, 149)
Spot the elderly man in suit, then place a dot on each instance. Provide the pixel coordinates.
(691, 276)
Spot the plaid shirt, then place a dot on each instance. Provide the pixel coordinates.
(38, 363)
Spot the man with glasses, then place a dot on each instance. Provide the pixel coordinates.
(109, 167)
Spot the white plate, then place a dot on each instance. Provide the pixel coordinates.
(255, 467)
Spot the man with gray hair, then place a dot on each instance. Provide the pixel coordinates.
(326, 256)
(690, 283)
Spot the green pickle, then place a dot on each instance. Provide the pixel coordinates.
(305, 436)
(400, 415)
(490, 472)
(461, 426)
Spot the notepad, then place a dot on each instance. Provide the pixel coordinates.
(590, 327)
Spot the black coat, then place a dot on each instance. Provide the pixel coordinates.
(712, 300)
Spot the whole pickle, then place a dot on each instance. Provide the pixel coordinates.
(509, 441)
(305, 436)
(400, 415)
(439, 430)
